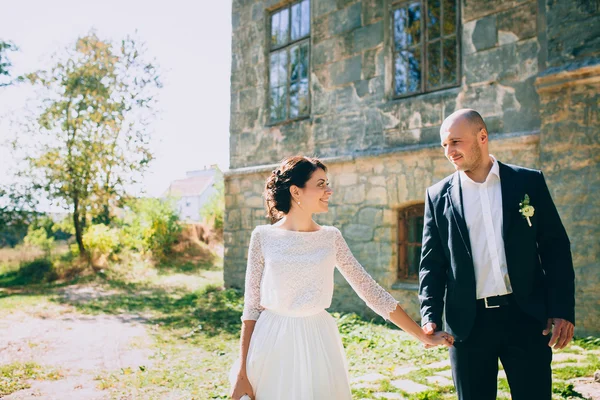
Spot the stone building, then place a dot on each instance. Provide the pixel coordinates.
(366, 85)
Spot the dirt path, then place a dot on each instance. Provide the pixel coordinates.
(79, 346)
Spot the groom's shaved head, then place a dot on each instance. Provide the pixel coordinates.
(464, 137)
(471, 116)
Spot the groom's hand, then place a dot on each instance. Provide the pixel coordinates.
(562, 333)
(429, 328)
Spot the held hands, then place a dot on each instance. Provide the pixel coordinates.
(242, 387)
(562, 334)
(433, 338)
(429, 328)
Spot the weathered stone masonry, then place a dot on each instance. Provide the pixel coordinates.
(528, 66)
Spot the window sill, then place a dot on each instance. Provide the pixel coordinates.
(287, 121)
(424, 95)
(402, 285)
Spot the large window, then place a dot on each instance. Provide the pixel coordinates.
(410, 233)
(289, 62)
(426, 55)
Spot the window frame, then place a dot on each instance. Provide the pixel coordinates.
(270, 49)
(391, 45)
(404, 215)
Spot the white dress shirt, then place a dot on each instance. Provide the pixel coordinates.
(482, 204)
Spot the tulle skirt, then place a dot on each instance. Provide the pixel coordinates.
(296, 358)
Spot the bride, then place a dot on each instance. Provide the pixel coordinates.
(290, 346)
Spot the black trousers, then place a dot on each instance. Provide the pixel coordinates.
(508, 334)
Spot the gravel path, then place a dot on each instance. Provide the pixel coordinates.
(79, 346)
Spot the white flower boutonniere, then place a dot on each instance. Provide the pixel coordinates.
(526, 209)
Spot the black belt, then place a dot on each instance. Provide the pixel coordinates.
(495, 301)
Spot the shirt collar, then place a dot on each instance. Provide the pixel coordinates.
(495, 171)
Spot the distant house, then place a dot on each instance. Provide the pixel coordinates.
(192, 192)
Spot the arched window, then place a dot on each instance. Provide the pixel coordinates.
(410, 234)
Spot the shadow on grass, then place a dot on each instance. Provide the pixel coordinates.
(40, 276)
(31, 272)
(189, 262)
(211, 311)
(188, 266)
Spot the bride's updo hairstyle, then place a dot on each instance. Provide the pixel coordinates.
(295, 170)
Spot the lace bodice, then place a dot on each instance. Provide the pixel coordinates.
(292, 273)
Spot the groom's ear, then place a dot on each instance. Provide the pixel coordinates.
(482, 136)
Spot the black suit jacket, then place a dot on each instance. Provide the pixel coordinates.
(538, 258)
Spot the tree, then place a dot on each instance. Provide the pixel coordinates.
(5, 63)
(90, 140)
(16, 213)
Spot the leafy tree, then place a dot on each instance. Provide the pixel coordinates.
(16, 214)
(5, 63)
(90, 140)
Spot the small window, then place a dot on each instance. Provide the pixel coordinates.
(289, 62)
(425, 46)
(410, 234)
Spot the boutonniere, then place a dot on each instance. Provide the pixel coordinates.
(526, 209)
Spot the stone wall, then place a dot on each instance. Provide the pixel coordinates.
(351, 108)
(573, 32)
(570, 159)
(383, 153)
(368, 191)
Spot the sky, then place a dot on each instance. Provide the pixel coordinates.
(191, 42)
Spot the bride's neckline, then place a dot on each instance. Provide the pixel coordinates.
(289, 230)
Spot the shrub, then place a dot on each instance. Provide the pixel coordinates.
(214, 210)
(100, 241)
(36, 271)
(163, 233)
(38, 237)
(150, 225)
(63, 229)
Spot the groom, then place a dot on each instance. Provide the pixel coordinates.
(496, 253)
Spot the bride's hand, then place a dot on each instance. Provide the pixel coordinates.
(242, 387)
(440, 338)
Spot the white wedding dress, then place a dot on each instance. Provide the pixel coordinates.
(296, 351)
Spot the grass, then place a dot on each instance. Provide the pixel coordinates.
(195, 331)
(13, 256)
(569, 372)
(566, 391)
(195, 336)
(588, 343)
(15, 376)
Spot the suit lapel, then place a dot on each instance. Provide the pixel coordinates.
(510, 200)
(454, 193)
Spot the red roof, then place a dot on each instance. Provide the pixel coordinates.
(189, 187)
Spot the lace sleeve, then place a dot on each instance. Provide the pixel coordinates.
(254, 273)
(363, 284)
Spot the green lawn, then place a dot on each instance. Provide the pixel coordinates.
(194, 325)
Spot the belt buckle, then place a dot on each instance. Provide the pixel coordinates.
(485, 300)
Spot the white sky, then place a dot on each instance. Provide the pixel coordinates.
(191, 41)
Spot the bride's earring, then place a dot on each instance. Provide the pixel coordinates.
(298, 202)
